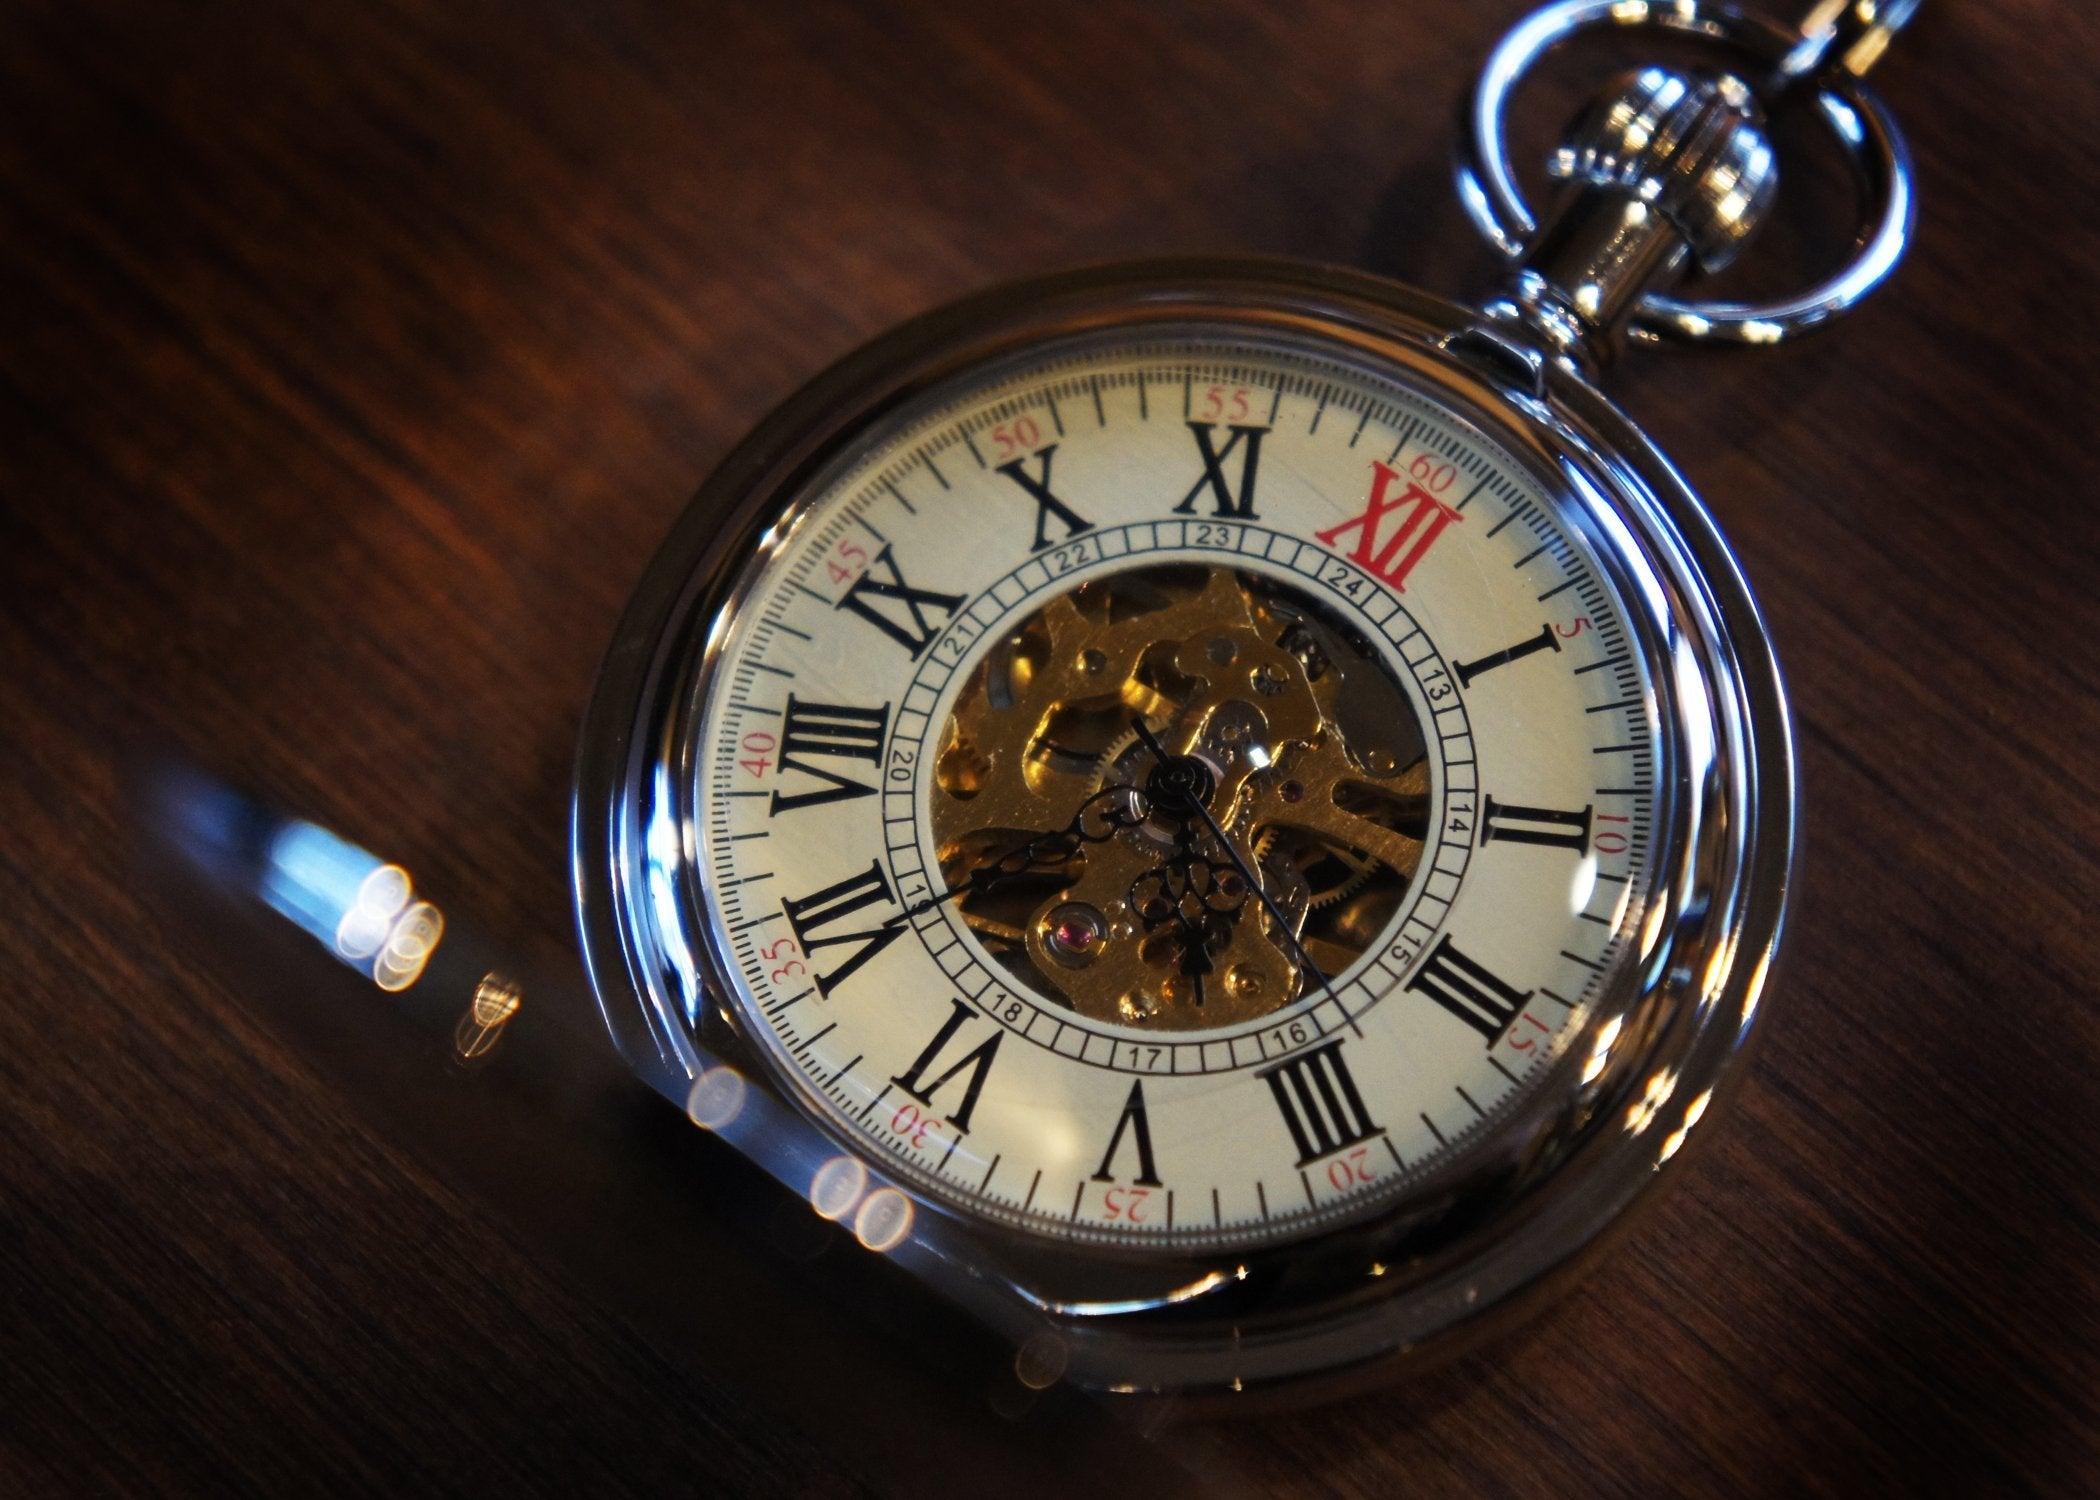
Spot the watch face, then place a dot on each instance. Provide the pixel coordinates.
(1178, 786)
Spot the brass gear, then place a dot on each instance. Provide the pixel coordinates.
(1307, 742)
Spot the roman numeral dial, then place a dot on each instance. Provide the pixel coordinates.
(1171, 792)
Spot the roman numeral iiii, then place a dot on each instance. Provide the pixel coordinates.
(1319, 1103)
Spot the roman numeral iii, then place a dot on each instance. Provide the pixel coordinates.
(1468, 991)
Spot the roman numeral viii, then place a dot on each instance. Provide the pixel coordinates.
(1246, 442)
(896, 608)
(978, 1060)
(811, 916)
(829, 729)
(1320, 1105)
(1037, 487)
(1468, 991)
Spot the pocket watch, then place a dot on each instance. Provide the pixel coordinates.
(1229, 815)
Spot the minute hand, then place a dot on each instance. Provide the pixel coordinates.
(1311, 969)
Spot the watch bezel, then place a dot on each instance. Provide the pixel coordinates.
(1528, 1207)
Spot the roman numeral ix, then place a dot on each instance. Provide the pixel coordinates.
(902, 614)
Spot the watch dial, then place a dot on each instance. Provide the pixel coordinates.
(1180, 789)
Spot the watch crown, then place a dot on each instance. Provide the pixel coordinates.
(1665, 173)
(1693, 150)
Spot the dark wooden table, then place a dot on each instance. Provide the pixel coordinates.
(353, 357)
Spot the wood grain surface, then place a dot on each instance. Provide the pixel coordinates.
(353, 358)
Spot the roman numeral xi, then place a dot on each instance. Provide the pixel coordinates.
(1246, 442)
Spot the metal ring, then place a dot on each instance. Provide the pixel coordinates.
(1863, 126)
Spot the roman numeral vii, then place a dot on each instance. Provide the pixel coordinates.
(813, 916)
